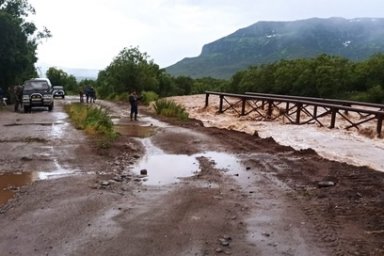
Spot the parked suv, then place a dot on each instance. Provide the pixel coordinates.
(37, 92)
(58, 91)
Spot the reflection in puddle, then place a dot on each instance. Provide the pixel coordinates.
(135, 130)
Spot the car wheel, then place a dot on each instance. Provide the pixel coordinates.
(50, 108)
(26, 109)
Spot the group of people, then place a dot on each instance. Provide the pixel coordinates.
(17, 93)
(90, 94)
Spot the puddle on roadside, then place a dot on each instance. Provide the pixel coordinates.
(11, 182)
(165, 169)
(135, 130)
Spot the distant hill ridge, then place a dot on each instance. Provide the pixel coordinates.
(269, 41)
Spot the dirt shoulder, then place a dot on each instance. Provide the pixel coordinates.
(273, 205)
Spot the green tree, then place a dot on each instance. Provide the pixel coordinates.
(59, 77)
(18, 42)
(130, 70)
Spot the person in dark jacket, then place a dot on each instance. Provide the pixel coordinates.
(133, 101)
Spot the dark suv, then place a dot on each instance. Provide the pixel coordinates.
(37, 92)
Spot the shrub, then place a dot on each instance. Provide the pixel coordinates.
(93, 120)
(149, 97)
(169, 108)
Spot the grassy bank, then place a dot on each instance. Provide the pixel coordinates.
(95, 121)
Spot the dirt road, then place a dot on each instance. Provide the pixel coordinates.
(208, 191)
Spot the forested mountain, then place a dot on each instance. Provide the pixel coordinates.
(268, 42)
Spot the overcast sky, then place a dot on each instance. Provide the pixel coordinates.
(90, 33)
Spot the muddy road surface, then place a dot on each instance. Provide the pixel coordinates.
(206, 191)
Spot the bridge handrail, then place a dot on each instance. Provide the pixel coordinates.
(324, 100)
(293, 100)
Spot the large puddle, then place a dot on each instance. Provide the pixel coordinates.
(164, 169)
(11, 182)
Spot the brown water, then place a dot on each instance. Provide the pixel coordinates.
(10, 183)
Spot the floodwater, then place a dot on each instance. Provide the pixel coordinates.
(334, 144)
(338, 145)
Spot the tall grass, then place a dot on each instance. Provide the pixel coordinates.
(170, 108)
(94, 121)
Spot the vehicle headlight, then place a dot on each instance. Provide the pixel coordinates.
(47, 96)
(25, 97)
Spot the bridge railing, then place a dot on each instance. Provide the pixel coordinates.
(297, 106)
(322, 100)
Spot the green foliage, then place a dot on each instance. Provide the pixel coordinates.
(130, 70)
(59, 77)
(148, 97)
(374, 94)
(169, 108)
(324, 76)
(18, 43)
(93, 120)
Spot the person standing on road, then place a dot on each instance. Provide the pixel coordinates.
(133, 101)
(18, 91)
(81, 94)
(92, 94)
(87, 92)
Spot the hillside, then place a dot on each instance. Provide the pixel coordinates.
(266, 42)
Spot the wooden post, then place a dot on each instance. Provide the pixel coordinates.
(221, 103)
(243, 106)
(298, 112)
(206, 99)
(270, 108)
(379, 124)
(333, 117)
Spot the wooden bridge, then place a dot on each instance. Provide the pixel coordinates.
(302, 110)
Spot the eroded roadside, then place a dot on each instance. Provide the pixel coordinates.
(265, 202)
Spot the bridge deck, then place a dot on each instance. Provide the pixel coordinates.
(302, 110)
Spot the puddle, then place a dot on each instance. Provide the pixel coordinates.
(11, 182)
(165, 169)
(133, 130)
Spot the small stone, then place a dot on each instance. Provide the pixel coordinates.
(143, 172)
(105, 183)
(118, 179)
(219, 250)
(227, 237)
(323, 184)
(224, 242)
